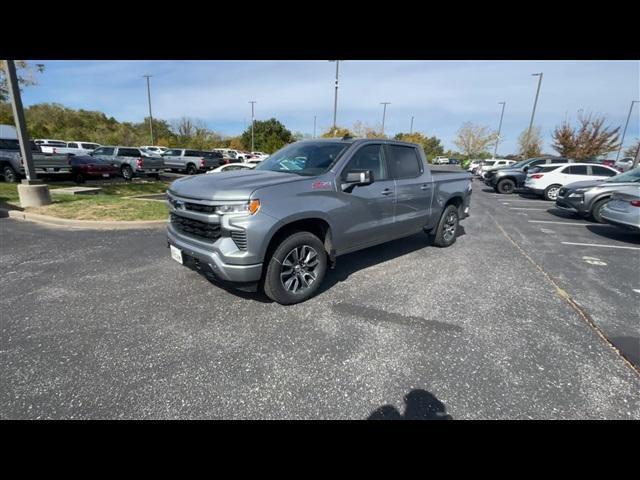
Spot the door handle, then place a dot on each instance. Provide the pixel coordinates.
(387, 191)
(425, 186)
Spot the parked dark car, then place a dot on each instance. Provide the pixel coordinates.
(508, 179)
(84, 167)
(589, 197)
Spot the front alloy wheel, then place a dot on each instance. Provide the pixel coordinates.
(299, 269)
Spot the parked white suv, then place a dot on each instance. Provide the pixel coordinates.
(154, 149)
(547, 180)
(492, 164)
(624, 164)
(79, 148)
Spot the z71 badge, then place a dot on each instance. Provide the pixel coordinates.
(320, 185)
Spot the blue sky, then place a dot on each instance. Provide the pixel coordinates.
(441, 95)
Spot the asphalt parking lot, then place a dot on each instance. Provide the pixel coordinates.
(514, 321)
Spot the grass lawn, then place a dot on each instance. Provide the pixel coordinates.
(110, 204)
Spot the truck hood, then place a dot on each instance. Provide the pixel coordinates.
(237, 185)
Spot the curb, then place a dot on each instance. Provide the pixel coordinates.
(93, 224)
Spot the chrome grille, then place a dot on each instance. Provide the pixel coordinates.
(197, 207)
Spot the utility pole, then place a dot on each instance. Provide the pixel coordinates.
(384, 113)
(495, 152)
(32, 192)
(335, 98)
(624, 132)
(252, 102)
(150, 115)
(535, 102)
(314, 126)
(411, 129)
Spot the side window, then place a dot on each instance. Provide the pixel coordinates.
(72, 145)
(104, 151)
(537, 162)
(576, 170)
(601, 171)
(128, 152)
(560, 160)
(369, 157)
(404, 162)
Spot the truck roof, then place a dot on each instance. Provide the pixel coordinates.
(351, 140)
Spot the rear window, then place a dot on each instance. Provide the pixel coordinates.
(546, 169)
(193, 153)
(576, 170)
(89, 146)
(488, 163)
(601, 171)
(72, 145)
(129, 152)
(403, 161)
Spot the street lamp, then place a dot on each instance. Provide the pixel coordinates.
(314, 126)
(335, 98)
(495, 152)
(535, 102)
(252, 102)
(150, 116)
(411, 128)
(384, 113)
(624, 132)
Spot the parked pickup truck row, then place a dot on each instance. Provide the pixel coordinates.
(282, 224)
(12, 166)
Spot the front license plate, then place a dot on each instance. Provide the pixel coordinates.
(176, 254)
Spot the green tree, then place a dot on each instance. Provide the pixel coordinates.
(339, 132)
(269, 136)
(431, 145)
(26, 76)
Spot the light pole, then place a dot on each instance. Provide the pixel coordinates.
(624, 132)
(252, 102)
(535, 102)
(31, 192)
(335, 98)
(495, 152)
(314, 126)
(149, 98)
(411, 128)
(384, 113)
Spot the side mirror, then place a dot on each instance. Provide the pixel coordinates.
(363, 177)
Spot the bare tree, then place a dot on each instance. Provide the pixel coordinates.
(589, 139)
(363, 130)
(26, 76)
(530, 144)
(472, 139)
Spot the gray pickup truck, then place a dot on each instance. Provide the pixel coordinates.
(191, 161)
(282, 224)
(12, 167)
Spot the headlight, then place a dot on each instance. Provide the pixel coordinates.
(250, 208)
(578, 192)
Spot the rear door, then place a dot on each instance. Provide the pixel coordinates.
(368, 216)
(575, 173)
(413, 188)
(172, 158)
(598, 172)
(105, 153)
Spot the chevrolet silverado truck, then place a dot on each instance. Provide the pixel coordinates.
(12, 166)
(281, 225)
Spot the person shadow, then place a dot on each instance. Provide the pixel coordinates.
(420, 405)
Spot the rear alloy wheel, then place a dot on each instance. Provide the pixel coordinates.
(551, 192)
(127, 172)
(596, 210)
(506, 186)
(296, 269)
(191, 169)
(447, 229)
(10, 175)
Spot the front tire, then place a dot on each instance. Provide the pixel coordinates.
(296, 269)
(551, 192)
(10, 175)
(447, 229)
(596, 210)
(506, 186)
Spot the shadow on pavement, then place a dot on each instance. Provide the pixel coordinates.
(629, 347)
(419, 405)
(616, 233)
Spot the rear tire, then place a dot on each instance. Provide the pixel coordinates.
(79, 178)
(447, 229)
(551, 192)
(596, 210)
(506, 186)
(127, 172)
(191, 169)
(286, 286)
(10, 175)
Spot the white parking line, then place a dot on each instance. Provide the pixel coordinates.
(524, 208)
(599, 245)
(571, 223)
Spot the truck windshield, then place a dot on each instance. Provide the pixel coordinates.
(307, 158)
(630, 176)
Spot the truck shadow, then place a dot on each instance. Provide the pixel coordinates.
(419, 405)
(353, 262)
(615, 233)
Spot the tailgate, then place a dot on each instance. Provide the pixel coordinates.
(153, 162)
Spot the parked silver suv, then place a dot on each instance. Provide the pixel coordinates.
(132, 161)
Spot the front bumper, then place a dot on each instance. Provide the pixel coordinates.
(574, 204)
(213, 260)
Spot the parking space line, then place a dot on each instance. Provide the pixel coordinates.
(599, 245)
(571, 223)
(525, 208)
